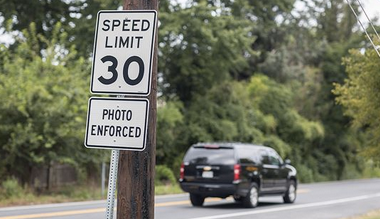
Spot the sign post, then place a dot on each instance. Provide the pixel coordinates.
(112, 183)
(125, 64)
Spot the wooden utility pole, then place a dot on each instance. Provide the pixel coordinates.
(135, 194)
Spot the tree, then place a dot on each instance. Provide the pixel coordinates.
(169, 125)
(200, 46)
(359, 95)
(331, 37)
(43, 113)
(267, 23)
(250, 71)
(77, 18)
(260, 111)
(336, 20)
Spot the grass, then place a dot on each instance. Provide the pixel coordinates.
(369, 215)
(168, 189)
(69, 194)
(65, 194)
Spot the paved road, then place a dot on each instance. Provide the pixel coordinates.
(315, 201)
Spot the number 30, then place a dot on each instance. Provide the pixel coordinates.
(127, 79)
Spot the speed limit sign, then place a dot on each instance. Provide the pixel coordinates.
(123, 52)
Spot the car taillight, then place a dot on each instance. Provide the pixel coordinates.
(182, 172)
(236, 172)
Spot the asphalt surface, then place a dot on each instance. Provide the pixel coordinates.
(341, 199)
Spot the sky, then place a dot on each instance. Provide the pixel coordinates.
(372, 7)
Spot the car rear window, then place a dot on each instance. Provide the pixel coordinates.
(213, 156)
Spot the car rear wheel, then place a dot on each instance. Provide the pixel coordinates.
(291, 193)
(197, 200)
(238, 198)
(252, 199)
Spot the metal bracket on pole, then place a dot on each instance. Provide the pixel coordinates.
(112, 183)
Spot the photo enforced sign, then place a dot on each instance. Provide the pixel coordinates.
(117, 123)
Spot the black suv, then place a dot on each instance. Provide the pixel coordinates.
(245, 171)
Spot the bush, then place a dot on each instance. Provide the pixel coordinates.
(371, 169)
(176, 165)
(164, 176)
(305, 175)
(11, 188)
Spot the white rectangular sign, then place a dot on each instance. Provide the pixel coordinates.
(123, 52)
(117, 123)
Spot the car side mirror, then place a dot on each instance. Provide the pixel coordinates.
(287, 161)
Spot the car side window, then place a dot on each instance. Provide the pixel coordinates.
(248, 155)
(265, 159)
(275, 159)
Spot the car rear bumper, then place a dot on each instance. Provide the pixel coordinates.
(210, 190)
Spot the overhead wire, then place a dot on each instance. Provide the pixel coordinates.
(369, 20)
(364, 29)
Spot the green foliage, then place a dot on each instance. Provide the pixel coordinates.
(248, 71)
(164, 176)
(10, 188)
(80, 193)
(265, 20)
(283, 149)
(167, 189)
(360, 96)
(372, 169)
(276, 102)
(223, 114)
(77, 18)
(260, 112)
(305, 174)
(58, 195)
(44, 112)
(200, 45)
(336, 19)
(169, 119)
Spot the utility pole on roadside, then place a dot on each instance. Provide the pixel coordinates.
(125, 64)
(135, 183)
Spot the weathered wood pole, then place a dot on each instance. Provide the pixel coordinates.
(135, 194)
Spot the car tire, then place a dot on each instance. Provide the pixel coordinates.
(291, 192)
(252, 198)
(197, 200)
(238, 198)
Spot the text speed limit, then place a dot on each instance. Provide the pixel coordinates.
(123, 52)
